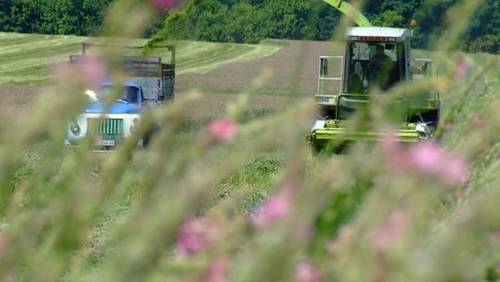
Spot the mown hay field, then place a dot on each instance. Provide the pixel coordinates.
(25, 58)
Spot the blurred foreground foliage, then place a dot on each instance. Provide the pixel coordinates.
(199, 205)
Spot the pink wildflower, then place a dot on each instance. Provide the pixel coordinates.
(390, 232)
(275, 208)
(196, 235)
(458, 194)
(4, 244)
(89, 71)
(217, 272)
(164, 5)
(398, 157)
(426, 158)
(306, 272)
(449, 125)
(462, 68)
(92, 70)
(455, 171)
(477, 121)
(222, 130)
(432, 159)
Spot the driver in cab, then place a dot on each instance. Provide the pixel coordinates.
(380, 69)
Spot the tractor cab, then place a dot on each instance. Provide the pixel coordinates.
(376, 58)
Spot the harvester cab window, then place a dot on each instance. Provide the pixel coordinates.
(373, 64)
(359, 55)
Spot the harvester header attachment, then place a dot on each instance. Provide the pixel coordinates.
(347, 9)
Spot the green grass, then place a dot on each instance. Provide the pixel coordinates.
(25, 58)
(476, 103)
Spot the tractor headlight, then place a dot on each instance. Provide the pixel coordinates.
(75, 128)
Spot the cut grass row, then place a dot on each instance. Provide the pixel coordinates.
(24, 58)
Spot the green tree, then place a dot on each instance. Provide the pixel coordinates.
(389, 18)
(245, 25)
(485, 25)
(430, 18)
(210, 21)
(487, 43)
(4, 13)
(285, 19)
(80, 17)
(327, 20)
(24, 15)
(406, 9)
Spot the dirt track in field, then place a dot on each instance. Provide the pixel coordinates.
(16, 101)
(294, 71)
(291, 73)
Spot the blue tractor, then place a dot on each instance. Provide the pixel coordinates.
(150, 84)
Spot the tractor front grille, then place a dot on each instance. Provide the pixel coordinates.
(106, 127)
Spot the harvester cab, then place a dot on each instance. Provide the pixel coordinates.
(376, 59)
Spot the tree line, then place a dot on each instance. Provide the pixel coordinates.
(75, 17)
(250, 21)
